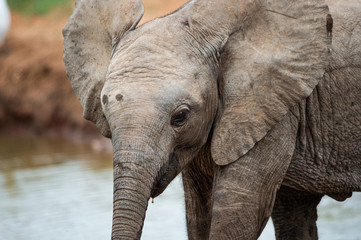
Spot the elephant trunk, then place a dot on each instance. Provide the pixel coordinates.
(135, 172)
(130, 202)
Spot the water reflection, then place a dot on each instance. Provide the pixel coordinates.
(53, 189)
(19, 153)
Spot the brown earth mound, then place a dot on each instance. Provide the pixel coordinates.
(35, 94)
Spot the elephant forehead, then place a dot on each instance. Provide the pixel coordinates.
(160, 46)
(143, 87)
(158, 65)
(150, 59)
(155, 70)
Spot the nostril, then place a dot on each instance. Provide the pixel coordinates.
(119, 97)
(105, 99)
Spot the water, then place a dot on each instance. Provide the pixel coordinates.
(52, 189)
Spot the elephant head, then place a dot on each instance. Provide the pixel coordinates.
(213, 71)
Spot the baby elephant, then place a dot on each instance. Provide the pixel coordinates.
(257, 103)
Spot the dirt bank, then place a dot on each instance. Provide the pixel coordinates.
(35, 94)
(34, 91)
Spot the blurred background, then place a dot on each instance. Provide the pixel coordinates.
(55, 167)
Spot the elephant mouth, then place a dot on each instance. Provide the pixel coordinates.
(167, 173)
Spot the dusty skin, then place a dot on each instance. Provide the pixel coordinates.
(258, 107)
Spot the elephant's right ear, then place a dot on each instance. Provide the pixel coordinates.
(268, 67)
(276, 53)
(89, 36)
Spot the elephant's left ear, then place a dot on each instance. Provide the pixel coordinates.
(272, 63)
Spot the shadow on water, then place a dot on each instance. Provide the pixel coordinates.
(54, 189)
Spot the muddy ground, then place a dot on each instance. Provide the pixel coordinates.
(35, 94)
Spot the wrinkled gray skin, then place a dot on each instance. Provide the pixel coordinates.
(255, 102)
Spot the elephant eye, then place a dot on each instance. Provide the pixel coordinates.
(179, 118)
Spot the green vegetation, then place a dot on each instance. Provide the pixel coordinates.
(41, 7)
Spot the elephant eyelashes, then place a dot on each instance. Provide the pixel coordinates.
(179, 118)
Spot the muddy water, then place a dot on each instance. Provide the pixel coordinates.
(52, 189)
